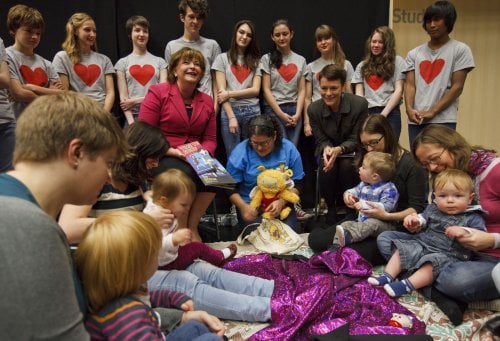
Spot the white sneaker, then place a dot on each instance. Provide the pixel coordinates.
(339, 238)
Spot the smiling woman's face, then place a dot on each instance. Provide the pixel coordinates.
(434, 158)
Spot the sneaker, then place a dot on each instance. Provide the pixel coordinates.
(339, 238)
(301, 214)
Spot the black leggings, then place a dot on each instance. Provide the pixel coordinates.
(320, 239)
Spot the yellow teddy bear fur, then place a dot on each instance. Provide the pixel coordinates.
(272, 183)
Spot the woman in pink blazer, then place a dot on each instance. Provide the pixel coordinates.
(185, 115)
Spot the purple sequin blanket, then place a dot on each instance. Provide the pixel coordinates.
(319, 295)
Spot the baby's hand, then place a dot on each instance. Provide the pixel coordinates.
(456, 231)
(411, 222)
(182, 237)
(358, 206)
(187, 306)
(350, 199)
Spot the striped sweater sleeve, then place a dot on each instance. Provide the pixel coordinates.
(165, 298)
(124, 319)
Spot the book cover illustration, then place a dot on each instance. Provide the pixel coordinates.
(209, 169)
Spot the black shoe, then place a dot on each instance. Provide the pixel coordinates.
(452, 308)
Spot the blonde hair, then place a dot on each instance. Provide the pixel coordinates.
(171, 183)
(50, 122)
(381, 163)
(70, 44)
(113, 257)
(459, 179)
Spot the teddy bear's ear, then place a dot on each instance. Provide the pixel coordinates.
(289, 172)
(261, 168)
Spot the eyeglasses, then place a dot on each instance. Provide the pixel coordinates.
(433, 160)
(264, 143)
(372, 143)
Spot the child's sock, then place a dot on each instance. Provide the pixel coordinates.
(230, 251)
(381, 280)
(400, 288)
(339, 238)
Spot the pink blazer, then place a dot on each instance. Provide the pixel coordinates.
(163, 107)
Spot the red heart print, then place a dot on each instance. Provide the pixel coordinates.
(374, 81)
(37, 77)
(88, 74)
(142, 74)
(288, 71)
(430, 70)
(240, 72)
(318, 75)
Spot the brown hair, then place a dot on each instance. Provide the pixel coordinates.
(22, 15)
(460, 179)
(50, 122)
(186, 53)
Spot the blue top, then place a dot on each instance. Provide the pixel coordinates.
(244, 160)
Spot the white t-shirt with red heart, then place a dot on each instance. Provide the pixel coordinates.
(238, 77)
(377, 91)
(27, 69)
(88, 76)
(141, 71)
(433, 73)
(285, 80)
(314, 68)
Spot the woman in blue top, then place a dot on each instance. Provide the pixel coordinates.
(265, 146)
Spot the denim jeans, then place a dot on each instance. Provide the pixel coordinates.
(223, 293)
(243, 114)
(192, 330)
(7, 142)
(394, 118)
(291, 133)
(466, 281)
(415, 129)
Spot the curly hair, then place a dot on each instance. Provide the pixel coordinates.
(199, 7)
(382, 65)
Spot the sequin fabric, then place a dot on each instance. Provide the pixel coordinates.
(318, 295)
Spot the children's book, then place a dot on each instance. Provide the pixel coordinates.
(208, 168)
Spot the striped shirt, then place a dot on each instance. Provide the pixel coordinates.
(129, 318)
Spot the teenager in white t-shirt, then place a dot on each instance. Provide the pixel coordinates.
(137, 71)
(238, 83)
(436, 72)
(79, 65)
(283, 81)
(379, 77)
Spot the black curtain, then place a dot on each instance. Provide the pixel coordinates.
(353, 20)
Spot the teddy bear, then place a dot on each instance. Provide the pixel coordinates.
(273, 184)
